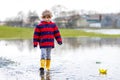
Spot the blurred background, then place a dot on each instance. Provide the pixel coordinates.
(67, 13)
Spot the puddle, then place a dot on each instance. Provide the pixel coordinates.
(76, 59)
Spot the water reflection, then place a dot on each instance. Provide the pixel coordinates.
(46, 76)
(92, 42)
(73, 43)
(76, 59)
(20, 44)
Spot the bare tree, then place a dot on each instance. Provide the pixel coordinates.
(32, 17)
(16, 21)
(57, 9)
(20, 18)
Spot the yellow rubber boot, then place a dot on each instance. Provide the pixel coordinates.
(42, 63)
(48, 64)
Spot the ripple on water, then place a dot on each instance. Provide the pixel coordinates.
(5, 62)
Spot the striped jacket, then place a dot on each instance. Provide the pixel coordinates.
(44, 34)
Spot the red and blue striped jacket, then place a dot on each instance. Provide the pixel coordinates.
(45, 33)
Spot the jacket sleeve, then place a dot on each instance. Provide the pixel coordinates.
(36, 36)
(57, 35)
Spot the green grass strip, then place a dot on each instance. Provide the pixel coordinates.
(81, 33)
(7, 32)
(15, 32)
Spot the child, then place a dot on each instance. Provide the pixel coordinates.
(44, 35)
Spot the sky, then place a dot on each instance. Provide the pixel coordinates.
(10, 8)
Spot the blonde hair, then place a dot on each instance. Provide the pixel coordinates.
(47, 13)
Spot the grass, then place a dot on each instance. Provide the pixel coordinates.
(15, 32)
(81, 33)
(27, 33)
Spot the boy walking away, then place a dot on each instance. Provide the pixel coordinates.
(44, 34)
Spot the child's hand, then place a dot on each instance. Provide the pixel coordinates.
(35, 46)
(60, 43)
